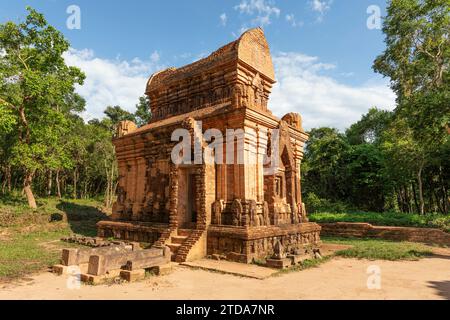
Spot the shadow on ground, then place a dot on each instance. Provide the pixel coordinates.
(81, 218)
(442, 287)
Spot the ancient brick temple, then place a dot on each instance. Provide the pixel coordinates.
(238, 210)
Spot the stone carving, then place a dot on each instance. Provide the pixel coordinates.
(125, 127)
(266, 213)
(217, 211)
(293, 119)
(278, 251)
(253, 214)
(236, 210)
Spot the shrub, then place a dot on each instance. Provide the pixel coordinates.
(315, 204)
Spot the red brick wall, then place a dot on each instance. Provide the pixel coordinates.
(366, 230)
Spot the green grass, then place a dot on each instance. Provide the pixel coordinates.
(29, 239)
(30, 252)
(374, 249)
(385, 219)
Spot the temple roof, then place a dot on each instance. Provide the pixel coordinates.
(251, 49)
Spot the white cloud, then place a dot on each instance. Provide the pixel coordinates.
(321, 7)
(261, 12)
(111, 82)
(223, 19)
(304, 87)
(292, 21)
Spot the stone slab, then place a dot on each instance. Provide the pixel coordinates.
(60, 269)
(93, 279)
(279, 263)
(134, 275)
(234, 268)
(162, 270)
(101, 264)
(78, 256)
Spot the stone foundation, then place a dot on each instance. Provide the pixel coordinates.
(131, 231)
(242, 244)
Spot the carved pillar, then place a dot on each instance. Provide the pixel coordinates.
(173, 196)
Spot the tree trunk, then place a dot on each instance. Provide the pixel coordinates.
(58, 185)
(27, 190)
(419, 181)
(415, 196)
(7, 179)
(444, 192)
(85, 192)
(108, 181)
(75, 178)
(49, 183)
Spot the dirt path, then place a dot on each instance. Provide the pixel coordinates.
(339, 278)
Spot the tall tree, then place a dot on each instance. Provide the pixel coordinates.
(35, 85)
(143, 114)
(324, 165)
(370, 128)
(417, 60)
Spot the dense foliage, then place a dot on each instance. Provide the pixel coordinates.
(400, 160)
(46, 148)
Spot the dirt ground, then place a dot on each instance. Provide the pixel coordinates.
(340, 278)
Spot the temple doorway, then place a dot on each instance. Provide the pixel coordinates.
(187, 208)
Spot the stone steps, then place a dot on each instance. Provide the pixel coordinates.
(184, 232)
(187, 245)
(178, 239)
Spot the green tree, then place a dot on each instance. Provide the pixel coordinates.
(143, 114)
(324, 165)
(35, 86)
(416, 60)
(365, 177)
(370, 128)
(117, 114)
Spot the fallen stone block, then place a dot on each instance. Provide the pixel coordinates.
(101, 264)
(78, 256)
(162, 269)
(94, 279)
(134, 275)
(278, 263)
(144, 263)
(60, 269)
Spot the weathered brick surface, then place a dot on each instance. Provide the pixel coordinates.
(366, 230)
(132, 231)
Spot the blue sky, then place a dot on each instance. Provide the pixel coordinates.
(322, 49)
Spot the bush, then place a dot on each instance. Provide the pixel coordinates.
(315, 204)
